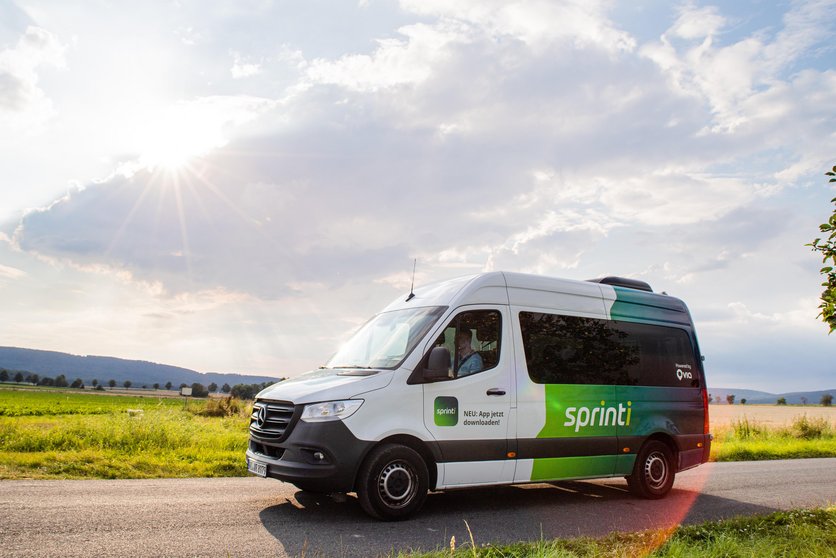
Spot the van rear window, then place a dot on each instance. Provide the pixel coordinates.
(574, 350)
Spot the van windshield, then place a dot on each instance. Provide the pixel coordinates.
(387, 339)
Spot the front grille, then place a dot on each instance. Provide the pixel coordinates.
(271, 420)
(270, 451)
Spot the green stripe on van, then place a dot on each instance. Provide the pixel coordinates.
(550, 468)
(633, 305)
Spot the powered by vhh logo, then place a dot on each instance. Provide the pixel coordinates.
(446, 411)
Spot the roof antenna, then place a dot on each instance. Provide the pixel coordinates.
(412, 286)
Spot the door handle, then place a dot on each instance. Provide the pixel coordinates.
(496, 391)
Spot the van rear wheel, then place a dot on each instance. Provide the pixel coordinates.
(392, 483)
(653, 473)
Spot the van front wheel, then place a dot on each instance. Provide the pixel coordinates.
(392, 483)
(653, 474)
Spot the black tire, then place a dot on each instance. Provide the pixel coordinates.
(392, 483)
(654, 471)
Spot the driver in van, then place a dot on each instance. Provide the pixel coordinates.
(469, 361)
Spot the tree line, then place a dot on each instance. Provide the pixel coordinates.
(240, 391)
(825, 401)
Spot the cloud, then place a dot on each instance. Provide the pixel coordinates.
(22, 102)
(8, 272)
(727, 76)
(537, 23)
(396, 62)
(241, 68)
(444, 144)
(529, 136)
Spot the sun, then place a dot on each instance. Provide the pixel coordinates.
(176, 137)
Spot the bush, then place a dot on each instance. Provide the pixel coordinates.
(744, 430)
(827, 400)
(222, 407)
(810, 429)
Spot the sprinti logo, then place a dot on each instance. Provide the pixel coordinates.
(580, 417)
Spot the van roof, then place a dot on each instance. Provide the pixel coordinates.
(562, 295)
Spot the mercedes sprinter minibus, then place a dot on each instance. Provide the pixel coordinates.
(497, 378)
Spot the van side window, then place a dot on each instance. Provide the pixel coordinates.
(574, 350)
(473, 339)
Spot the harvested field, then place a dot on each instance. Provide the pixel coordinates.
(767, 415)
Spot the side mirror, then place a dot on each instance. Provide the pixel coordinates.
(438, 365)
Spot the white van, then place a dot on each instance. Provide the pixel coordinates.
(496, 378)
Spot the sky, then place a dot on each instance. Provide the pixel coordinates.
(237, 186)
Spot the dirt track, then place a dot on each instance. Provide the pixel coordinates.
(770, 415)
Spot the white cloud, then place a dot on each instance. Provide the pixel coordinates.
(396, 62)
(537, 23)
(241, 68)
(727, 76)
(8, 272)
(23, 104)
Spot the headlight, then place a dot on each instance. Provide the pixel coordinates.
(330, 410)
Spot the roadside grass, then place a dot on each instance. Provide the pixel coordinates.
(78, 436)
(75, 435)
(789, 533)
(746, 440)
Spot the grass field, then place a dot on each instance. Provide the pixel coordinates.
(794, 533)
(72, 434)
(51, 434)
(767, 415)
(758, 432)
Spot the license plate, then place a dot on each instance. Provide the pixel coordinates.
(257, 467)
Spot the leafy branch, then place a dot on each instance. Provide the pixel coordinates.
(827, 248)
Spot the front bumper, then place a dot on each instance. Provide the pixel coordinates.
(320, 456)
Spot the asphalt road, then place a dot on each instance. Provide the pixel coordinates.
(264, 517)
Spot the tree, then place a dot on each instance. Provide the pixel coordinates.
(157, 386)
(743, 401)
(168, 385)
(34, 378)
(61, 381)
(127, 383)
(804, 400)
(18, 377)
(199, 390)
(78, 383)
(4, 375)
(100, 387)
(826, 400)
(213, 387)
(226, 388)
(827, 248)
(781, 401)
(95, 383)
(730, 399)
(247, 391)
(111, 383)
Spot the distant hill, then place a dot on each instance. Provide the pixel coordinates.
(753, 396)
(102, 368)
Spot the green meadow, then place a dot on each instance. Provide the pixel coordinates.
(72, 434)
(49, 434)
(788, 534)
(746, 440)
